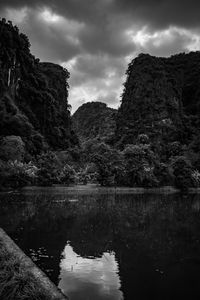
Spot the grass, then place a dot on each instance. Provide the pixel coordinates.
(16, 282)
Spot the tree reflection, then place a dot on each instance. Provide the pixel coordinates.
(152, 237)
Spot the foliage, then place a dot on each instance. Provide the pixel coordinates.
(16, 174)
(33, 96)
(196, 178)
(12, 148)
(164, 174)
(109, 164)
(67, 175)
(87, 174)
(52, 171)
(152, 140)
(182, 171)
(160, 100)
(94, 120)
(139, 160)
(48, 172)
(16, 280)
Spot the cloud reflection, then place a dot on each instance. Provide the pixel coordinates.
(89, 278)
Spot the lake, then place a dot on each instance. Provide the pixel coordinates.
(105, 245)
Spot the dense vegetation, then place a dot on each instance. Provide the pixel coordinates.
(33, 95)
(34, 110)
(152, 140)
(94, 120)
(160, 100)
(157, 136)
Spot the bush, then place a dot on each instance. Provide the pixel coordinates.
(87, 174)
(67, 175)
(182, 171)
(51, 171)
(140, 161)
(163, 174)
(48, 169)
(109, 164)
(16, 174)
(196, 178)
(12, 148)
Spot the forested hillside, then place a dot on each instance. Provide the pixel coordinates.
(158, 121)
(161, 99)
(157, 126)
(35, 116)
(33, 96)
(94, 120)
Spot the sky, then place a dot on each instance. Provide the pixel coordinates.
(96, 39)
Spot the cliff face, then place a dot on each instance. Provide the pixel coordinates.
(33, 95)
(44, 101)
(94, 120)
(160, 98)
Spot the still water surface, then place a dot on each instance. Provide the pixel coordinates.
(108, 246)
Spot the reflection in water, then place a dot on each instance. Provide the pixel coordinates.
(125, 246)
(89, 278)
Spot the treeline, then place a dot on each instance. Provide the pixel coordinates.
(137, 165)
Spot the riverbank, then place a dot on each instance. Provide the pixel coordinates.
(96, 189)
(19, 276)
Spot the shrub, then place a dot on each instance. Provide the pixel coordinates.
(163, 174)
(51, 171)
(139, 161)
(87, 174)
(196, 178)
(16, 174)
(67, 175)
(182, 171)
(109, 164)
(48, 166)
(12, 148)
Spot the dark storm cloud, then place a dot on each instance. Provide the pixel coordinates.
(161, 13)
(95, 39)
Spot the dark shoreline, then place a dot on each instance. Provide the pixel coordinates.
(94, 188)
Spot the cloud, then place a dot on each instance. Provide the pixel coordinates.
(97, 73)
(95, 39)
(96, 77)
(53, 37)
(160, 14)
(165, 42)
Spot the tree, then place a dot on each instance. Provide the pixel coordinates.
(139, 160)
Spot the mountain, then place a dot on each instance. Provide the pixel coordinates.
(94, 120)
(33, 96)
(160, 99)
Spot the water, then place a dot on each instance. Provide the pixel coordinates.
(106, 246)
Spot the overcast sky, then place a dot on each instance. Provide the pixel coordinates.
(95, 39)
